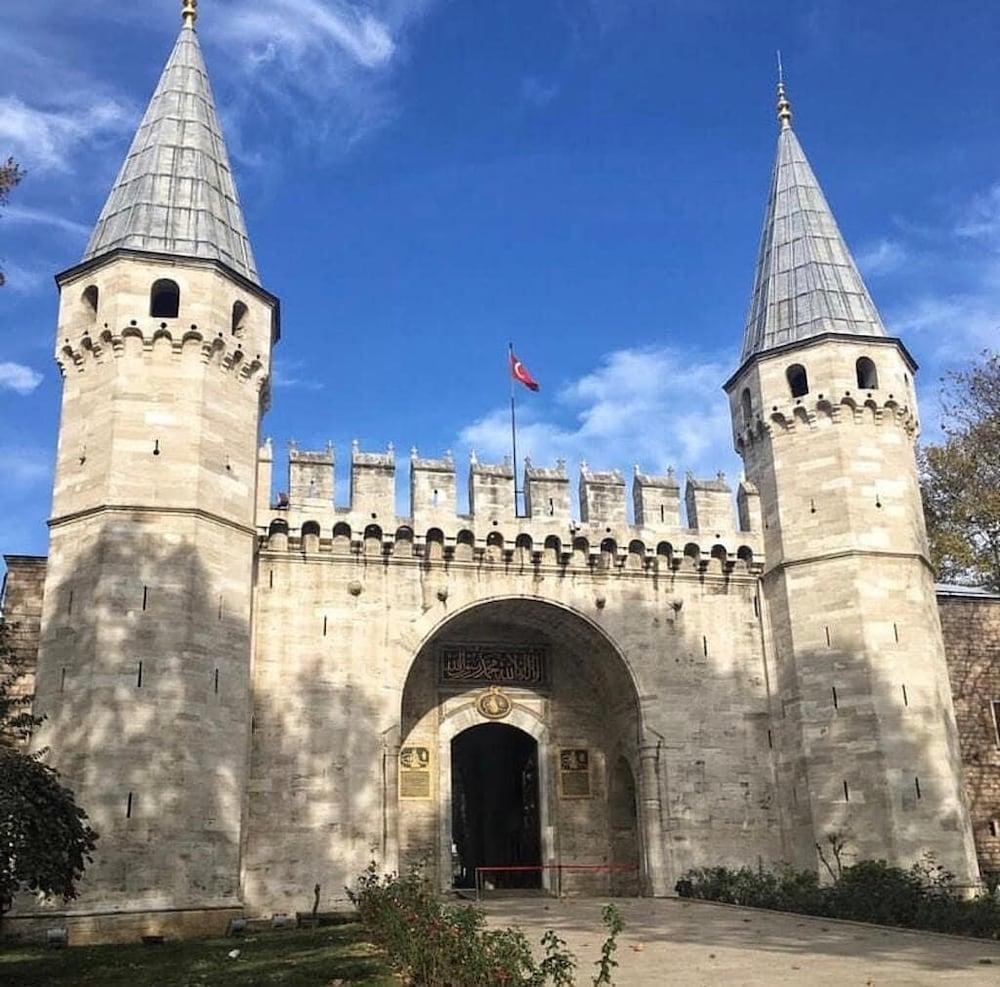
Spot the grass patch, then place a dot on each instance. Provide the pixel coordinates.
(300, 958)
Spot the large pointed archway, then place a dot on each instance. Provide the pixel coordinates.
(556, 677)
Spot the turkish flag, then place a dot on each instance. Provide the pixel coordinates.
(520, 372)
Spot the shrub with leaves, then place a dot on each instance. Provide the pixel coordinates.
(439, 945)
(922, 897)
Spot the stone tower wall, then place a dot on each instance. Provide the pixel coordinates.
(144, 658)
(864, 719)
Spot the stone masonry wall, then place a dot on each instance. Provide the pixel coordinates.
(21, 606)
(972, 642)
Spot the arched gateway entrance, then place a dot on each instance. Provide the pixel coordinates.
(520, 742)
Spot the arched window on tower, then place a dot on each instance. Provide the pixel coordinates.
(91, 297)
(798, 381)
(240, 313)
(867, 374)
(746, 407)
(164, 299)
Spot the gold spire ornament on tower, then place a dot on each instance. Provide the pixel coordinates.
(784, 106)
(189, 12)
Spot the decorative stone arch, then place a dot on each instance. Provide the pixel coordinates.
(592, 643)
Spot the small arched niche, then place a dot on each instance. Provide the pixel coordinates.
(164, 299)
(798, 380)
(867, 374)
(746, 407)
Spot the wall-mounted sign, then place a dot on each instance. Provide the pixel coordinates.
(502, 664)
(415, 773)
(493, 704)
(574, 773)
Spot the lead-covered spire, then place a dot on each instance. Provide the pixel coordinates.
(806, 282)
(175, 193)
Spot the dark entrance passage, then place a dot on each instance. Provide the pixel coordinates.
(495, 820)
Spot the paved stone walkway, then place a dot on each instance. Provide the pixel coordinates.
(668, 942)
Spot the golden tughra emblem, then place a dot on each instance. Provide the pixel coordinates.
(493, 704)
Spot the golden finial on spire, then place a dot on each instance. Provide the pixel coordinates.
(189, 12)
(784, 106)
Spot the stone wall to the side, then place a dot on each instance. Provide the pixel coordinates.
(21, 606)
(971, 625)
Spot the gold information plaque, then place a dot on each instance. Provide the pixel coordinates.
(415, 773)
(574, 773)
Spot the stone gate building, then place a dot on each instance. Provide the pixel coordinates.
(251, 699)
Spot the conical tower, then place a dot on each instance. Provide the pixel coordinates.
(825, 419)
(164, 342)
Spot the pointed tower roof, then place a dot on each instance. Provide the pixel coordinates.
(175, 193)
(806, 282)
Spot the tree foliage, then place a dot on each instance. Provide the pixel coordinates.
(10, 175)
(45, 842)
(960, 477)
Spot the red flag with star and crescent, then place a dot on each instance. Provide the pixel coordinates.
(520, 373)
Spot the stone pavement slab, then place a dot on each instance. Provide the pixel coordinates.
(673, 941)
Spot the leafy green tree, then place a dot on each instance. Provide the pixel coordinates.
(960, 477)
(45, 842)
(10, 176)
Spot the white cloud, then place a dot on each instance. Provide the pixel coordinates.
(288, 373)
(981, 218)
(23, 280)
(47, 139)
(882, 257)
(325, 64)
(43, 217)
(656, 407)
(18, 378)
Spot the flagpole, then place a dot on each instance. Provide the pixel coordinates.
(513, 421)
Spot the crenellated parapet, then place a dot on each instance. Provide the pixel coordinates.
(308, 520)
(161, 344)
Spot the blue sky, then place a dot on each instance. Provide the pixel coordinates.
(426, 179)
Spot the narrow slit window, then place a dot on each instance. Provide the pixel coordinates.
(138, 676)
(62, 681)
(704, 645)
(770, 740)
(994, 828)
(663, 514)
(996, 721)
(756, 607)
(128, 806)
(895, 632)
(836, 703)
(906, 698)
(552, 507)
(145, 596)
(847, 792)
(270, 579)
(216, 681)
(827, 630)
(916, 786)
(69, 603)
(325, 619)
(220, 608)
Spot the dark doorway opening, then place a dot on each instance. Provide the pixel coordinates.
(494, 798)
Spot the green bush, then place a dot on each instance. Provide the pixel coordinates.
(441, 945)
(922, 897)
